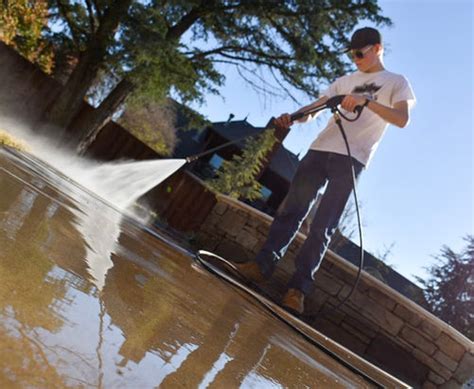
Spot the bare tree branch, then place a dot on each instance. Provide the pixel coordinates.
(91, 16)
(287, 91)
(75, 30)
(98, 9)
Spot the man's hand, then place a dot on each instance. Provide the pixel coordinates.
(351, 101)
(399, 114)
(283, 121)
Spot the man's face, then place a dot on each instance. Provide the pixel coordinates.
(366, 58)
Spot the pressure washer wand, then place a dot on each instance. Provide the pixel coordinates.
(331, 103)
(199, 155)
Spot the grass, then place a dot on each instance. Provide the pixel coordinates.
(8, 140)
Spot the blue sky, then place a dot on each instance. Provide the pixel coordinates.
(417, 193)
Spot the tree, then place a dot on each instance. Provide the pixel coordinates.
(153, 48)
(153, 124)
(91, 27)
(22, 23)
(449, 289)
(236, 178)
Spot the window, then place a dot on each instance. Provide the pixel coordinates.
(216, 161)
(266, 193)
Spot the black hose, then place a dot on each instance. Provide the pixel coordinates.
(332, 103)
(356, 201)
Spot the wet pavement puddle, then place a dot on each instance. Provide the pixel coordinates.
(89, 299)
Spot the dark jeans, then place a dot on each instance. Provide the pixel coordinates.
(315, 170)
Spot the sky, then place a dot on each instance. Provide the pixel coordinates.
(417, 193)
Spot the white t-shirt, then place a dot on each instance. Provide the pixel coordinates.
(364, 134)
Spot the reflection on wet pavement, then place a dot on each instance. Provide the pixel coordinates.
(88, 299)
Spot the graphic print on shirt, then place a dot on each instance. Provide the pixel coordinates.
(367, 90)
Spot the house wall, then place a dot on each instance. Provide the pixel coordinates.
(114, 142)
(377, 322)
(25, 90)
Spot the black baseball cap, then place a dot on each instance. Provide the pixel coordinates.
(364, 37)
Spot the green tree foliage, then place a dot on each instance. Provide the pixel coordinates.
(178, 46)
(22, 23)
(449, 289)
(236, 178)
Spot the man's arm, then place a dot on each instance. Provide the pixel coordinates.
(399, 115)
(284, 121)
(317, 103)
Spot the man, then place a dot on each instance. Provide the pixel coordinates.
(387, 98)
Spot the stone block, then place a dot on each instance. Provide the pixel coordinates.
(232, 223)
(353, 313)
(250, 230)
(341, 336)
(342, 275)
(326, 265)
(246, 239)
(363, 286)
(211, 221)
(377, 313)
(465, 369)
(433, 365)
(428, 385)
(438, 380)
(361, 325)
(317, 298)
(345, 290)
(411, 317)
(430, 329)
(327, 283)
(451, 384)
(403, 343)
(354, 331)
(253, 222)
(445, 360)
(220, 208)
(450, 347)
(417, 339)
(263, 229)
(382, 298)
(336, 316)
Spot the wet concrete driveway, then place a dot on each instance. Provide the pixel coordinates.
(89, 299)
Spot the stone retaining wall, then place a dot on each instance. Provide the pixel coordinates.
(377, 322)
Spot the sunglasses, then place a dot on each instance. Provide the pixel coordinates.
(359, 53)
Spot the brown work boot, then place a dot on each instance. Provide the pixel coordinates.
(251, 271)
(293, 300)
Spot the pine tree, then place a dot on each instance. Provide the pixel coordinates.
(236, 178)
(450, 288)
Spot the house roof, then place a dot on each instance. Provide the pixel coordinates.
(189, 142)
(283, 162)
(233, 130)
